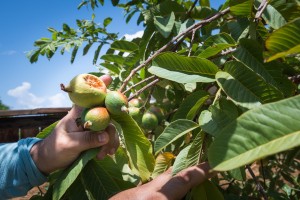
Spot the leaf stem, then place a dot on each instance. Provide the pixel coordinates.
(183, 34)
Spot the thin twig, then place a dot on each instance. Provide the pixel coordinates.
(192, 41)
(191, 8)
(263, 172)
(261, 9)
(142, 81)
(143, 89)
(183, 34)
(258, 185)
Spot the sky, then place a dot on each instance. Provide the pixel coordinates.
(27, 86)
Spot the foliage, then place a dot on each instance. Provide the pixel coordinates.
(227, 80)
(3, 106)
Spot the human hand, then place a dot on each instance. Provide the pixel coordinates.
(68, 140)
(166, 186)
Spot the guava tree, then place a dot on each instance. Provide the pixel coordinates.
(3, 106)
(217, 85)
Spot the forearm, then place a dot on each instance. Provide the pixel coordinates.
(18, 172)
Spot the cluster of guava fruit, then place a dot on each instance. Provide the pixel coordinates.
(99, 103)
(149, 118)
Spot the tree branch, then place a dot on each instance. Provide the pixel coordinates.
(143, 89)
(261, 9)
(183, 34)
(142, 81)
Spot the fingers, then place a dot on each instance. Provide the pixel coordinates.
(106, 79)
(112, 145)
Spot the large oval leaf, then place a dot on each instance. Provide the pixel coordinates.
(284, 41)
(245, 87)
(183, 69)
(258, 133)
(139, 149)
(172, 132)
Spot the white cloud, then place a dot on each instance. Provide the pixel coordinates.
(27, 100)
(130, 37)
(8, 53)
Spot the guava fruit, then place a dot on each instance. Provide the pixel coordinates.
(136, 114)
(158, 112)
(116, 102)
(95, 119)
(149, 121)
(86, 90)
(136, 102)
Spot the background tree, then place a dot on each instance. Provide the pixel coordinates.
(3, 106)
(215, 84)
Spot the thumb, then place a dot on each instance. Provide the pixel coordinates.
(85, 140)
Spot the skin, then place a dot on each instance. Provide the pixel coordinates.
(67, 141)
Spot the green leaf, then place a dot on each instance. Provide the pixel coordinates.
(124, 46)
(179, 163)
(241, 7)
(205, 191)
(204, 3)
(87, 48)
(260, 132)
(273, 17)
(165, 24)
(115, 2)
(193, 156)
(183, 69)
(97, 52)
(71, 173)
(46, 131)
(244, 87)
(77, 190)
(172, 132)
(99, 183)
(250, 53)
(284, 41)
(139, 149)
(220, 114)
(162, 162)
(113, 58)
(191, 104)
(74, 53)
(107, 21)
(216, 43)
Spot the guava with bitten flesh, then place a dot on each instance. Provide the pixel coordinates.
(86, 90)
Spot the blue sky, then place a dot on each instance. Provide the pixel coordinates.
(24, 85)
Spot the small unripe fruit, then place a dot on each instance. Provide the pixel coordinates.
(149, 121)
(136, 103)
(95, 119)
(158, 112)
(86, 90)
(116, 102)
(136, 114)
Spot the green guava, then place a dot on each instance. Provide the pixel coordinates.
(116, 102)
(158, 112)
(95, 119)
(149, 121)
(86, 90)
(136, 102)
(136, 114)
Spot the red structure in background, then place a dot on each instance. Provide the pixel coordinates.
(17, 124)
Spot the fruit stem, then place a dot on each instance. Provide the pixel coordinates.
(63, 88)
